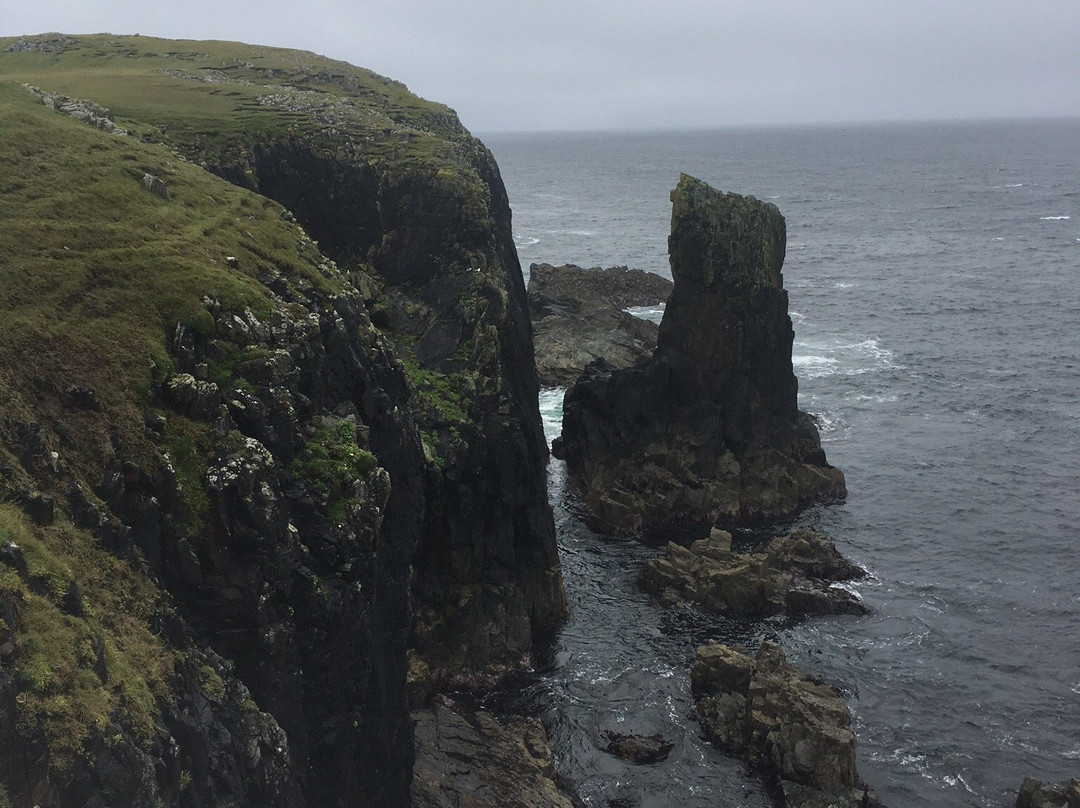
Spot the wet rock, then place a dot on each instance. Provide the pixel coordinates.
(1037, 794)
(792, 575)
(638, 748)
(788, 723)
(475, 760)
(578, 317)
(708, 430)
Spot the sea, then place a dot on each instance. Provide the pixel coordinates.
(933, 271)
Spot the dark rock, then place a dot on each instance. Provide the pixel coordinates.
(1037, 794)
(638, 748)
(12, 556)
(707, 430)
(41, 508)
(789, 724)
(790, 575)
(578, 317)
(477, 760)
(72, 602)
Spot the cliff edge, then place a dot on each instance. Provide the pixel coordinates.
(709, 429)
(268, 419)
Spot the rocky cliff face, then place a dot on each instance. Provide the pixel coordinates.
(708, 430)
(266, 450)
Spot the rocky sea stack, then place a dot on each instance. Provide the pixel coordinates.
(709, 429)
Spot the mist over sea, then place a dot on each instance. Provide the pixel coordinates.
(934, 281)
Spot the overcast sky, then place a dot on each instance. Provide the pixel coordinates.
(601, 64)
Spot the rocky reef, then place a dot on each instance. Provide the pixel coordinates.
(578, 317)
(268, 418)
(708, 430)
(790, 725)
(792, 575)
(1037, 794)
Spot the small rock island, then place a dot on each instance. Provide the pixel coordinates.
(708, 430)
(579, 315)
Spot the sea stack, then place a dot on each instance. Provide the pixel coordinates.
(709, 429)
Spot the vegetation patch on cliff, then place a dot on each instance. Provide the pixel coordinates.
(99, 270)
(86, 659)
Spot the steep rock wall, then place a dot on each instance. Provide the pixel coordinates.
(709, 429)
(194, 397)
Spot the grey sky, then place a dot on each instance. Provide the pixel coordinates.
(592, 64)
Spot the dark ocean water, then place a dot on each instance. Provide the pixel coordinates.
(934, 280)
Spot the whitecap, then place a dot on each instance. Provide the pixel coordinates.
(525, 241)
(847, 587)
(1015, 185)
(1072, 755)
(957, 780)
(1054, 218)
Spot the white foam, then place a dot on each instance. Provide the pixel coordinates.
(1054, 218)
(1015, 185)
(525, 241)
(653, 313)
(551, 400)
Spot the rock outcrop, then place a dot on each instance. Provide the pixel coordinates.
(472, 759)
(239, 477)
(578, 316)
(793, 575)
(1037, 794)
(791, 726)
(708, 430)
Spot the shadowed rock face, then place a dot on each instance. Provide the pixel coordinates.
(708, 430)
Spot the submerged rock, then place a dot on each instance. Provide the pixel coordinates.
(578, 316)
(708, 430)
(791, 725)
(791, 575)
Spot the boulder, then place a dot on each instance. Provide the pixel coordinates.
(788, 723)
(791, 575)
(708, 429)
(639, 749)
(578, 316)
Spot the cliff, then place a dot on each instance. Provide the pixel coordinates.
(709, 429)
(268, 418)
